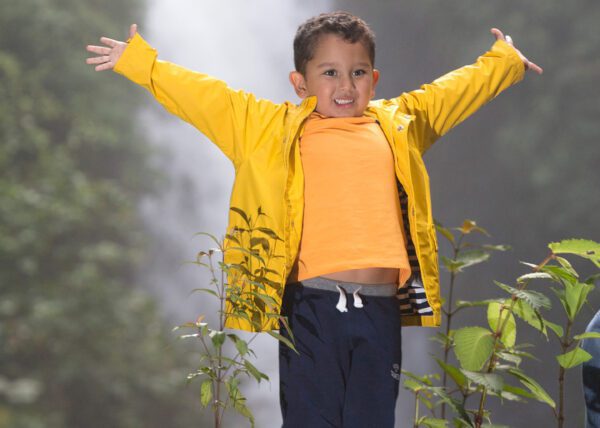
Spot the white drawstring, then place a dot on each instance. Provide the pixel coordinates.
(341, 304)
(357, 300)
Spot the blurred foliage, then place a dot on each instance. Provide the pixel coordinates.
(81, 345)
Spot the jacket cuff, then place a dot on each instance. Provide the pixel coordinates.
(516, 64)
(137, 61)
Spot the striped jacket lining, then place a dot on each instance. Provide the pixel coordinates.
(413, 300)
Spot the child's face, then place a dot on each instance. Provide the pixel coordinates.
(341, 76)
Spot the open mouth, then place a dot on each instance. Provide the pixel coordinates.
(343, 101)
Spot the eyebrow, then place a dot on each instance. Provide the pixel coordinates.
(333, 64)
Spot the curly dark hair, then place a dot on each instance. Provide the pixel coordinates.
(343, 24)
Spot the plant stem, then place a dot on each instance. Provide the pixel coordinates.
(565, 343)
(449, 313)
(416, 423)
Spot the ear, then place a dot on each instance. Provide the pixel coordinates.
(375, 80)
(299, 84)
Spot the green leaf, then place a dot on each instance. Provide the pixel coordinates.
(491, 381)
(445, 232)
(257, 374)
(573, 358)
(523, 310)
(588, 335)
(412, 385)
(517, 391)
(456, 405)
(496, 247)
(242, 213)
(469, 226)
(454, 372)
(471, 304)
(217, 337)
(240, 345)
(433, 422)
(533, 275)
(473, 346)
(468, 258)
(535, 299)
(206, 392)
(567, 266)
(580, 247)
(535, 388)
(575, 296)
(496, 317)
(283, 339)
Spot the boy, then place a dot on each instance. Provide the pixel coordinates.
(342, 180)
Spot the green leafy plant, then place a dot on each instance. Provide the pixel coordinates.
(489, 357)
(221, 367)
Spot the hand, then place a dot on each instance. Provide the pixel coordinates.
(108, 56)
(528, 64)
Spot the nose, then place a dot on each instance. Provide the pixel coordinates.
(346, 82)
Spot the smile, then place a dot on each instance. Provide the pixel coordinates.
(343, 101)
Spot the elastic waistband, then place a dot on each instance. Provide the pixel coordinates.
(322, 283)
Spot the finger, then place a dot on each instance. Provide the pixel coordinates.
(105, 66)
(497, 33)
(109, 42)
(102, 50)
(509, 40)
(534, 67)
(132, 30)
(98, 60)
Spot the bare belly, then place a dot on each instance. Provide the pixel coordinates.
(375, 275)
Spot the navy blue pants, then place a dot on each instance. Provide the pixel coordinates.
(348, 368)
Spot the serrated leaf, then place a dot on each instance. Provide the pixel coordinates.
(517, 391)
(581, 247)
(575, 296)
(523, 310)
(206, 392)
(535, 388)
(535, 299)
(454, 372)
(473, 346)
(573, 358)
(495, 317)
(491, 381)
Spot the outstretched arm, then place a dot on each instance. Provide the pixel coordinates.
(439, 106)
(234, 120)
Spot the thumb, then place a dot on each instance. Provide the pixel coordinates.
(497, 33)
(132, 30)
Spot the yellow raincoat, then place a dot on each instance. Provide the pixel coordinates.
(261, 140)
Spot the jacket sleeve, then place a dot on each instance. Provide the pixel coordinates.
(450, 99)
(231, 119)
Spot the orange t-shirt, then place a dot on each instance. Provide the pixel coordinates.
(352, 216)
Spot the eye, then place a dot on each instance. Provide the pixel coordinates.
(329, 73)
(360, 72)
